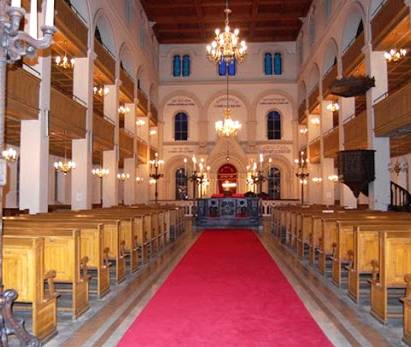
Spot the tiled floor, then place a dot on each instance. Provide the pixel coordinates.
(345, 323)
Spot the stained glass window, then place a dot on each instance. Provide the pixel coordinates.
(274, 125)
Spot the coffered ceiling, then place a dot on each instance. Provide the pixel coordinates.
(194, 21)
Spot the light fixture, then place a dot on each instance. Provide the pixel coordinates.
(123, 109)
(101, 91)
(140, 122)
(65, 166)
(227, 46)
(139, 179)
(9, 154)
(64, 62)
(333, 178)
(315, 120)
(333, 107)
(153, 131)
(302, 173)
(398, 167)
(152, 181)
(303, 130)
(229, 185)
(123, 176)
(228, 126)
(317, 179)
(394, 55)
(100, 172)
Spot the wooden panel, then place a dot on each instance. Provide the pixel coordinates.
(314, 152)
(393, 113)
(142, 105)
(67, 115)
(353, 55)
(331, 144)
(313, 102)
(301, 111)
(22, 94)
(383, 23)
(104, 62)
(71, 26)
(126, 144)
(127, 85)
(355, 132)
(142, 151)
(328, 80)
(103, 132)
(154, 114)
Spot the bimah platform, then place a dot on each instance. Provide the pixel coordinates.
(228, 212)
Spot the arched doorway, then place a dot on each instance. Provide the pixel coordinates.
(227, 173)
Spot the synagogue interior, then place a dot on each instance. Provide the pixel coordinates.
(205, 173)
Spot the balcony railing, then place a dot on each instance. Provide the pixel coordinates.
(105, 61)
(142, 151)
(142, 102)
(126, 143)
(71, 25)
(67, 115)
(103, 132)
(394, 112)
(355, 132)
(154, 113)
(22, 94)
(387, 18)
(301, 111)
(331, 143)
(328, 80)
(127, 85)
(314, 150)
(353, 55)
(313, 101)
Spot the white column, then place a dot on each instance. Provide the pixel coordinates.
(129, 185)
(379, 190)
(110, 182)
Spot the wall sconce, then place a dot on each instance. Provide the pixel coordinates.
(315, 121)
(123, 109)
(101, 91)
(123, 176)
(394, 55)
(333, 178)
(153, 131)
(333, 107)
(317, 180)
(9, 154)
(140, 122)
(303, 130)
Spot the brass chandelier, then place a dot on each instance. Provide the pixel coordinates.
(66, 166)
(227, 45)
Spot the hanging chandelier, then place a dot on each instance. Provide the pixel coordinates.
(9, 155)
(333, 107)
(101, 91)
(227, 45)
(123, 176)
(228, 126)
(123, 109)
(100, 172)
(65, 166)
(64, 62)
(394, 55)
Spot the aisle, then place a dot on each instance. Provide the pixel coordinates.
(227, 291)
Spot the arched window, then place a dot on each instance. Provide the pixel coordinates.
(176, 66)
(186, 66)
(97, 35)
(231, 69)
(360, 29)
(274, 184)
(278, 64)
(312, 29)
(181, 184)
(181, 127)
(274, 125)
(268, 64)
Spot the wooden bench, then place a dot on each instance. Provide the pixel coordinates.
(24, 271)
(407, 310)
(62, 255)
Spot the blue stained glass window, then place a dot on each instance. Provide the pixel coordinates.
(278, 64)
(274, 125)
(186, 66)
(268, 64)
(232, 68)
(176, 66)
(222, 68)
(181, 127)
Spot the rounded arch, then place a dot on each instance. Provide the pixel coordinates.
(104, 26)
(302, 91)
(355, 15)
(274, 124)
(330, 55)
(286, 172)
(169, 183)
(314, 77)
(374, 7)
(176, 93)
(180, 125)
(83, 8)
(269, 92)
(126, 59)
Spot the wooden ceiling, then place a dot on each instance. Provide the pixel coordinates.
(194, 21)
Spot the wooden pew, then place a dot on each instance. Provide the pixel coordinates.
(390, 268)
(62, 255)
(24, 270)
(91, 239)
(407, 310)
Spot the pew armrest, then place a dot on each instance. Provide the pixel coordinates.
(407, 298)
(51, 291)
(375, 271)
(106, 262)
(84, 269)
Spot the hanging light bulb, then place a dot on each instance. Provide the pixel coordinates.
(123, 176)
(101, 91)
(100, 172)
(9, 154)
(333, 107)
(123, 109)
(394, 55)
(65, 166)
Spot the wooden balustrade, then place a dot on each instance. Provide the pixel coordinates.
(331, 143)
(126, 143)
(313, 101)
(353, 56)
(104, 61)
(301, 111)
(328, 80)
(355, 132)
(142, 104)
(67, 115)
(127, 85)
(314, 150)
(71, 26)
(154, 113)
(103, 132)
(387, 18)
(22, 94)
(394, 112)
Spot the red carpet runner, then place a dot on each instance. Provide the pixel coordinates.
(227, 291)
